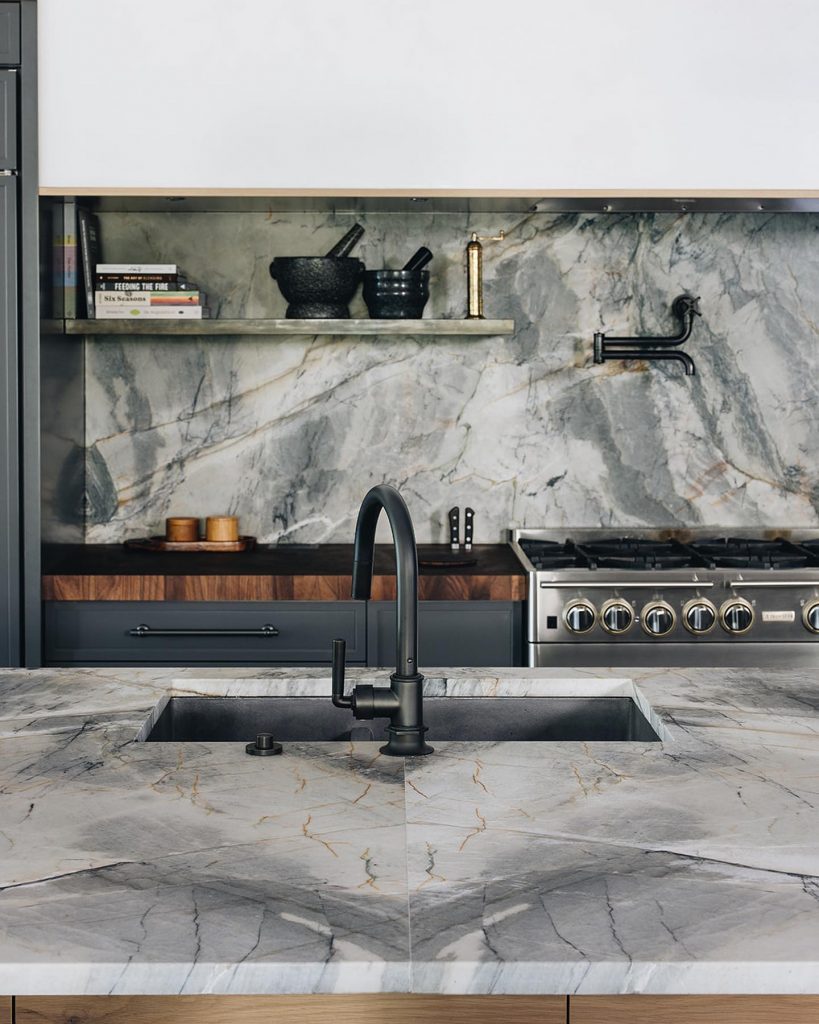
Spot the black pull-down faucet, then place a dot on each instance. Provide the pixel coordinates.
(402, 700)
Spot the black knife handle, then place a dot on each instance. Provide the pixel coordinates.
(454, 538)
(469, 527)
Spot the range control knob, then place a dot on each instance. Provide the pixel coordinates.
(658, 618)
(699, 615)
(736, 616)
(579, 616)
(810, 616)
(616, 616)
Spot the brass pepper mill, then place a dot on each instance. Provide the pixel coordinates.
(474, 273)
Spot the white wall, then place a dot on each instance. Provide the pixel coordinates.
(429, 94)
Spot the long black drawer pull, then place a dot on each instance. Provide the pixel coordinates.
(143, 630)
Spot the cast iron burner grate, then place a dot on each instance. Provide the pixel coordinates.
(549, 554)
(610, 553)
(811, 547)
(743, 553)
(634, 553)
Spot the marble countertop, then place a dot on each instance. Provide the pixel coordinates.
(690, 865)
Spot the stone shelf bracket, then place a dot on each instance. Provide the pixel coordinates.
(685, 308)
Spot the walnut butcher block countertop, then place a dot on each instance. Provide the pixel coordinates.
(110, 572)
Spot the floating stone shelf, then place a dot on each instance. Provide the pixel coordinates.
(272, 328)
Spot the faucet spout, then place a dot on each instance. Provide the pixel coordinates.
(406, 565)
(401, 701)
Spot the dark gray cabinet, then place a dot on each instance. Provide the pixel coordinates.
(451, 633)
(9, 476)
(202, 633)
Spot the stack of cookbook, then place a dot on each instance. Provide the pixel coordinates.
(145, 291)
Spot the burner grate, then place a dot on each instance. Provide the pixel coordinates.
(647, 554)
(745, 553)
(547, 554)
(635, 553)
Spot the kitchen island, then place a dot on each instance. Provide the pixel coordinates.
(522, 869)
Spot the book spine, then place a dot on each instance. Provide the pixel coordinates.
(138, 278)
(84, 222)
(137, 268)
(125, 312)
(145, 286)
(109, 299)
(65, 260)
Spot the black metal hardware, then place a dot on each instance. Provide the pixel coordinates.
(339, 653)
(142, 631)
(264, 746)
(402, 700)
(685, 308)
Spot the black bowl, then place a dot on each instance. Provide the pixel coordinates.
(396, 294)
(317, 287)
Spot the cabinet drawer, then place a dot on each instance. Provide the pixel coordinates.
(101, 632)
(9, 33)
(452, 634)
(8, 120)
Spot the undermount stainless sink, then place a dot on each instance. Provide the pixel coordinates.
(314, 719)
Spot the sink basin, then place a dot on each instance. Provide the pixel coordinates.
(314, 719)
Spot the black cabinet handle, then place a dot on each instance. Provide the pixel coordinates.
(143, 630)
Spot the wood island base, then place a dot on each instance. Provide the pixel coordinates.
(409, 1009)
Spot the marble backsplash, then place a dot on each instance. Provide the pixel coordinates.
(289, 433)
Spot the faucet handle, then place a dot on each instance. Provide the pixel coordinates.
(339, 656)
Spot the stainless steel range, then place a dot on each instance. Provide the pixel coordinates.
(671, 597)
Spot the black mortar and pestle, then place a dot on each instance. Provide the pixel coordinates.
(399, 294)
(320, 287)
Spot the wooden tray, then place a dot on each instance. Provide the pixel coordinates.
(159, 544)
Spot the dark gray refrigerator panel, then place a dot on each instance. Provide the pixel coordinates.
(9, 481)
(8, 120)
(9, 33)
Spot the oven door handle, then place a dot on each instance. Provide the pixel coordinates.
(750, 584)
(619, 585)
